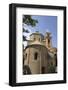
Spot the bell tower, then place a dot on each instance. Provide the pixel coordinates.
(48, 40)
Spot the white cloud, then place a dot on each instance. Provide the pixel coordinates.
(27, 35)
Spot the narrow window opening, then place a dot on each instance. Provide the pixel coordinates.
(34, 38)
(35, 56)
(39, 39)
(43, 70)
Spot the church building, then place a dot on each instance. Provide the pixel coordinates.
(39, 56)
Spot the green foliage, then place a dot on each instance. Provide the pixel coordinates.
(51, 69)
(27, 19)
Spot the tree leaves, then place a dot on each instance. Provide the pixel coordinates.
(29, 21)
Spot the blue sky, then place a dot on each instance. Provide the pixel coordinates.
(45, 24)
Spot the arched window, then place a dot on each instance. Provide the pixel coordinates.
(35, 56)
(43, 70)
(48, 40)
(34, 38)
(39, 39)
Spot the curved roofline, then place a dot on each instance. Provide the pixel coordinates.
(37, 34)
(34, 45)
